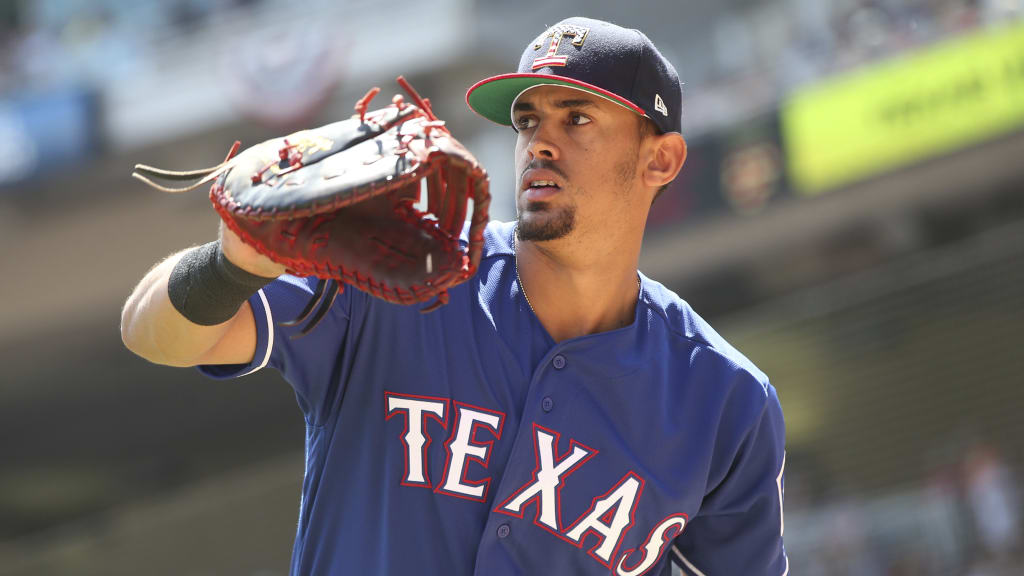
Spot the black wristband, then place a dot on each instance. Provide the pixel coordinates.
(207, 288)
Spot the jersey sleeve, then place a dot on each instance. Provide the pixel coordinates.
(306, 362)
(739, 527)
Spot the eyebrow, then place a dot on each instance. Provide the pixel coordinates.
(561, 104)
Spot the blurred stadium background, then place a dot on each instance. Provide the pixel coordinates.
(851, 216)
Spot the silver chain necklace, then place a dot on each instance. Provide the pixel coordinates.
(515, 256)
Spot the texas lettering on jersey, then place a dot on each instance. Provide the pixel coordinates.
(472, 435)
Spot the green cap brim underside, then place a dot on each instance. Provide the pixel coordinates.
(493, 100)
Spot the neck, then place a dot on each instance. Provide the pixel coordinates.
(575, 295)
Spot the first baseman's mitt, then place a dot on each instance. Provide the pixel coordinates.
(343, 203)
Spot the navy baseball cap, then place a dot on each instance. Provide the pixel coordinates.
(619, 64)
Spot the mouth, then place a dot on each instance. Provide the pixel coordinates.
(543, 184)
(537, 188)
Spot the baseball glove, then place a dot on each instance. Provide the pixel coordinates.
(377, 202)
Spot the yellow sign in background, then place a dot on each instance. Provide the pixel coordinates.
(882, 117)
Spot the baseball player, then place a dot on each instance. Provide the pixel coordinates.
(563, 413)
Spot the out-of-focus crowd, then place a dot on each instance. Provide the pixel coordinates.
(48, 42)
(963, 520)
(52, 43)
(850, 33)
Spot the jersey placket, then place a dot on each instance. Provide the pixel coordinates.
(545, 397)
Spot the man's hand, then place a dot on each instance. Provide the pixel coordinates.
(246, 257)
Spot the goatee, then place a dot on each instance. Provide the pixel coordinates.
(541, 223)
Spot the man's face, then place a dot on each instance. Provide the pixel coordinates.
(576, 164)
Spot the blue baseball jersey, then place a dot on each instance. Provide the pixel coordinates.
(467, 441)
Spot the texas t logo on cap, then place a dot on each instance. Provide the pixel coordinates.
(556, 33)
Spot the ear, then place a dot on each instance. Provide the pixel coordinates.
(668, 153)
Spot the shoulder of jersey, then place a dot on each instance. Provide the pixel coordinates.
(497, 238)
(681, 320)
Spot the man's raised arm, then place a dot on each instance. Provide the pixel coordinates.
(192, 308)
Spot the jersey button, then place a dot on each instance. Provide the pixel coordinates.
(558, 362)
(547, 404)
(503, 531)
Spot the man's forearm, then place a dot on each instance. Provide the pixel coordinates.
(154, 329)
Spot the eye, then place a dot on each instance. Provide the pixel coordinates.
(577, 119)
(525, 122)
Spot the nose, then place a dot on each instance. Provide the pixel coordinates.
(542, 144)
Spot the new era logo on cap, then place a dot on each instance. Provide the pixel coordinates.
(659, 104)
(616, 63)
